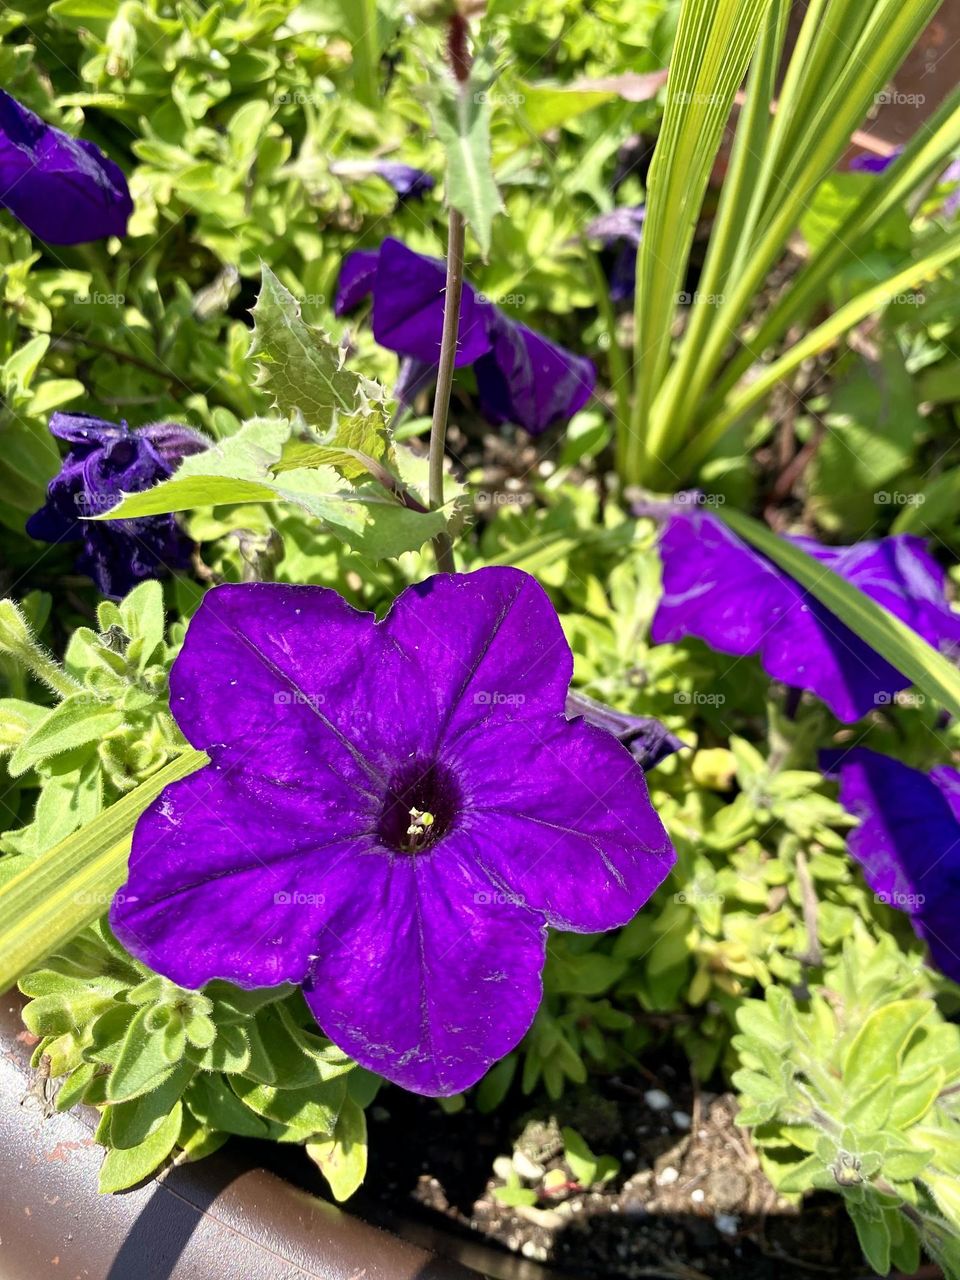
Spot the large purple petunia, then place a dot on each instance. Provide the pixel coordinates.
(908, 841)
(721, 590)
(106, 460)
(393, 813)
(522, 376)
(63, 189)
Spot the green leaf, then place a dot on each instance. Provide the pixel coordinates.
(461, 120)
(299, 366)
(715, 40)
(880, 1043)
(874, 1236)
(929, 670)
(342, 1159)
(125, 1168)
(136, 1120)
(367, 517)
(55, 894)
(141, 1064)
(79, 719)
(914, 1097)
(215, 1104)
(305, 1113)
(588, 1169)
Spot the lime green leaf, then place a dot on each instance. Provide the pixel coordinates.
(124, 1168)
(891, 638)
(342, 1159)
(52, 897)
(880, 1044)
(305, 1113)
(79, 719)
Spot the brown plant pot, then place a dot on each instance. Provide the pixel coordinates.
(223, 1217)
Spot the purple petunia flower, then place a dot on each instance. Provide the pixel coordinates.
(106, 460)
(620, 232)
(719, 589)
(908, 841)
(393, 813)
(522, 377)
(63, 189)
(409, 183)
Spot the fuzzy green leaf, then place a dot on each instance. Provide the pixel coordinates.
(125, 1168)
(342, 1159)
(78, 720)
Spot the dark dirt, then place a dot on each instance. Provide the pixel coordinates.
(690, 1201)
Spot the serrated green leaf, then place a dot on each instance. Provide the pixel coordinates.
(299, 366)
(125, 1168)
(461, 116)
(342, 1159)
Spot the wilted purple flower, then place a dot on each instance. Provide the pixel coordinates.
(63, 189)
(409, 183)
(647, 740)
(620, 232)
(908, 841)
(738, 601)
(393, 813)
(871, 162)
(522, 377)
(106, 460)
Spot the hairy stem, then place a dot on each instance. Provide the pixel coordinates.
(443, 547)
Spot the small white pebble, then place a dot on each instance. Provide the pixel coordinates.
(681, 1119)
(698, 1196)
(526, 1167)
(629, 1156)
(667, 1177)
(656, 1099)
(726, 1223)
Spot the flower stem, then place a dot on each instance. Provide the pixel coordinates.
(442, 546)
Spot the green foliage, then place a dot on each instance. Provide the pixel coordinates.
(853, 1090)
(174, 1068)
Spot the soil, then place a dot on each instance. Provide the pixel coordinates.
(690, 1201)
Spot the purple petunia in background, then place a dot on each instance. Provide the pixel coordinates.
(392, 814)
(908, 841)
(63, 189)
(407, 181)
(522, 377)
(721, 590)
(620, 232)
(106, 460)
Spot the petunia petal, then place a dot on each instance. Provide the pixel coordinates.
(448, 987)
(506, 659)
(227, 875)
(529, 380)
(908, 841)
(564, 821)
(63, 189)
(408, 300)
(724, 592)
